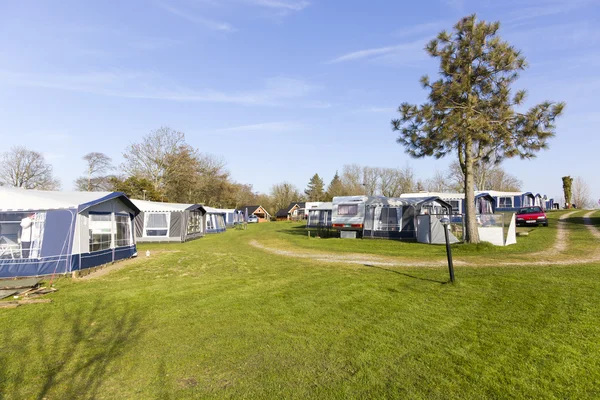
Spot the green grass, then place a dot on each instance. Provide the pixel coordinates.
(218, 318)
(286, 234)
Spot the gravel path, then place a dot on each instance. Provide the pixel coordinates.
(560, 246)
(588, 222)
(562, 234)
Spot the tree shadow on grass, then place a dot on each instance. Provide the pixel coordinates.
(322, 233)
(71, 361)
(405, 274)
(595, 221)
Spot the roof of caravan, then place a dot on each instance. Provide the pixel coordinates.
(498, 193)
(324, 205)
(444, 195)
(156, 206)
(403, 201)
(212, 210)
(349, 199)
(19, 199)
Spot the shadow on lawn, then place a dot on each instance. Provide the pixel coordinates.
(323, 233)
(71, 361)
(405, 274)
(580, 221)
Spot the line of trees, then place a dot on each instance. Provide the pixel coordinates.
(161, 167)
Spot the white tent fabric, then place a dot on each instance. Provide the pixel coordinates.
(154, 206)
(18, 199)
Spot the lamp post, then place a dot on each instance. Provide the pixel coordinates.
(446, 222)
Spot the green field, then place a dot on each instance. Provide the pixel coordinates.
(220, 318)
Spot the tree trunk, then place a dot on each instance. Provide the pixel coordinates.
(471, 232)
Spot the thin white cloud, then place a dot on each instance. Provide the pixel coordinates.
(153, 43)
(407, 52)
(262, 127)
(281, 4)
(421, 29)
(196, 19)
(546, 8)
(144, 85)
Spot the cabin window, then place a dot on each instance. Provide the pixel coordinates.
(123, 231)
(21, 234)
(505, 202)
(100, 231)
(157, 225)
(348, 209)
(455, 206)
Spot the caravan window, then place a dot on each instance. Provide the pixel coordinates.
(21, 234)
(156, 224)
(386, 219)
(455, 206)
(123, 231)
(505, 202)
(194, 222)
(100, 231)
(348, 209)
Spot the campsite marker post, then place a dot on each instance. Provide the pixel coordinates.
(446, 222)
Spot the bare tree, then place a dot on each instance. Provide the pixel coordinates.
(438, 183)
(581, 194)
(486, 175)
(150, 158)
(27, 169)
(395, 181)
(98, 164)
(283, 194)
(352, 179)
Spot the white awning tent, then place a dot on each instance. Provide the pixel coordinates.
(168, 222)
(51, 232)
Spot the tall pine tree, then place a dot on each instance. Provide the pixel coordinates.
(335, 188)
(471, 110)
(315, 190)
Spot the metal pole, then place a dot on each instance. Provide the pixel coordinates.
(449, 253)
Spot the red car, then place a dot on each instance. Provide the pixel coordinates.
(531, 216)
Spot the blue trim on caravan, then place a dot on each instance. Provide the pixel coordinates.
(102, 257)
(34, 267)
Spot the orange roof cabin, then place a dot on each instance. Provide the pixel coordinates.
(262, 214)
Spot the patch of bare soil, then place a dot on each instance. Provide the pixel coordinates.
(353, 258)
(533, 259)
(588, 223)
(106, 269)
(562, 234)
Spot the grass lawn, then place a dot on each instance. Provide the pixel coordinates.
(292, 234)
(218, 318)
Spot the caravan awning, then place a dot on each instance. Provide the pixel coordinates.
(18, 199)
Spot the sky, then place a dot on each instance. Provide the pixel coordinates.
(279, 89)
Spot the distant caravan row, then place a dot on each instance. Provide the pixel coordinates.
(52, 232)
(418, 216)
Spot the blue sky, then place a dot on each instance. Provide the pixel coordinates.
(280, 89)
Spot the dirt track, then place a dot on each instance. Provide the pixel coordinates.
(560, 246)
